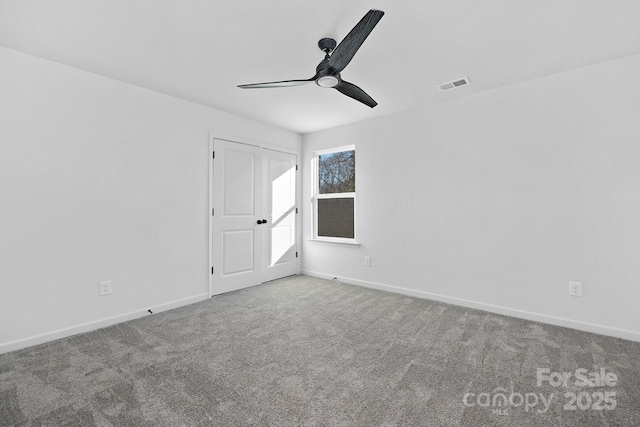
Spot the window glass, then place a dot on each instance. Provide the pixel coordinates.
(337, 172)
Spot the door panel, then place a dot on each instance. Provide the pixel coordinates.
(280, 203)
(280, 244)
(239, 182)
(237, 251)
(237, 246)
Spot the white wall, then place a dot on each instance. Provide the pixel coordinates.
(499, 199)
(100, 180)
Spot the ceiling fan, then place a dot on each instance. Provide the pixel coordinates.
(335, 60)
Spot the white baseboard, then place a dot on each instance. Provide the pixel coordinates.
(97, 324)
(527, 315)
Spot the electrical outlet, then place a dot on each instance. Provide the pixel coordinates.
(575, 289)
(367, 261)
(105, 288)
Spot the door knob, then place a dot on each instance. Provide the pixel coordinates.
(264, 221)
(259, 222)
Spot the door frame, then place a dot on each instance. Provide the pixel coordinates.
(210, 212)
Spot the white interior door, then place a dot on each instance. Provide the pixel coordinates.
(237, 240)
(280, 204)
(253, 237)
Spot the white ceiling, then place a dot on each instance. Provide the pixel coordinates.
(199, 50)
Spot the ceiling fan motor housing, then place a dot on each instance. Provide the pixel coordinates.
(324, 77)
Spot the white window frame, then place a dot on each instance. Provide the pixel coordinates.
(315, 191)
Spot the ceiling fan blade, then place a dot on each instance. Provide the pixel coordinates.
(343, 54)
(356, 93)
(284, 83)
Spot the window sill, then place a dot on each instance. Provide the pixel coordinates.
(336, 241)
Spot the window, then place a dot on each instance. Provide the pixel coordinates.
(335, 194)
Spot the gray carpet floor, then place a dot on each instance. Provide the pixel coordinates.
(301, 351)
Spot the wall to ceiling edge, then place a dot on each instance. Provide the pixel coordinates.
(499, 199)
(101, 180)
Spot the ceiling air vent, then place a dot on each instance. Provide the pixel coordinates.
(454, 84)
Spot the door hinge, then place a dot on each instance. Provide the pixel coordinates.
(296, 210)
(212, 212)
(214, 155)
(296, 254)
(296, 167)
(211, 270)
